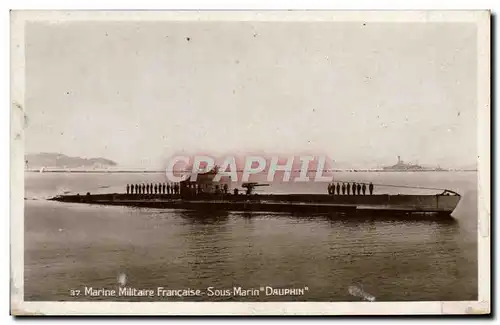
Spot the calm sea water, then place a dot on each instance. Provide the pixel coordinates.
(70, 246)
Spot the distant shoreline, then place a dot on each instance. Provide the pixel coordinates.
(162, 171)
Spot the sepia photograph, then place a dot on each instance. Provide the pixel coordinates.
(250, 162)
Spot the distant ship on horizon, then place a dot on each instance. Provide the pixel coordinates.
(402, 166)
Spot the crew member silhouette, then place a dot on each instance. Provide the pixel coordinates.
(329, 188)
(333, 188)
(370, 187)
(148, 189)
(128, 189)
(136, 188)
(359, 189)
(338, 188)
(343, 188)
(226, 188)
(364, 188)
(143, 188)
(163, 187)
(156, 189)
(168, 188)
(348, 188)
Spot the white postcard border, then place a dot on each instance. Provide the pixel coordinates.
(21, 307)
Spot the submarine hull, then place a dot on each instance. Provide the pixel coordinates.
(442, 205)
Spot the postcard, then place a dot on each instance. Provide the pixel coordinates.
(250, 162)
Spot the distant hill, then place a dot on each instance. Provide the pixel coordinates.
(53, 160)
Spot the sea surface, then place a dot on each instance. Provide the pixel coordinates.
(72, 246)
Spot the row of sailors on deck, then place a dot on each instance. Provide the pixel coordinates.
(160, 188)
(347, 187)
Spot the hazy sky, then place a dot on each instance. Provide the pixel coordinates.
(138, 92)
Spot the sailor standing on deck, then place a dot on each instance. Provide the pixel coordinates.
(348, 187)
(333, 188)
(343, 188)
(329, 188)
(359, 189)
(128, 189)
(364, 189)
(143, 188)
(371, 188)
(136, 188)
(338, 188)
(163, 186)
(156, 189)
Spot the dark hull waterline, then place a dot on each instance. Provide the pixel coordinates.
(402, 205)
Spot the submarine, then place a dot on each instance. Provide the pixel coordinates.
(190, 196)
